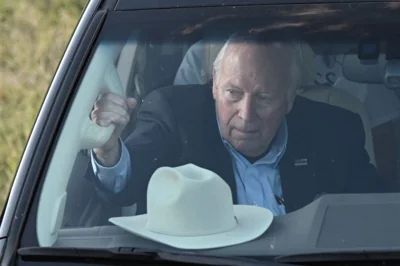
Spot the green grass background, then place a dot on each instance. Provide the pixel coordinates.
(33, 38)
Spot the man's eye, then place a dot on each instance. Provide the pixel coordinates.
(262, 97)
(233, 93)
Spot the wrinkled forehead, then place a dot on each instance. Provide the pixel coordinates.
(260, 53)
(259, 62)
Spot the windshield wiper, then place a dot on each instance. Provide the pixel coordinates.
(126, 254)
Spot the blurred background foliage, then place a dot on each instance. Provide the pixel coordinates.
(34, 35)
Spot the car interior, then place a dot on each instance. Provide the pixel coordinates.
(139, 61)
(144, 56)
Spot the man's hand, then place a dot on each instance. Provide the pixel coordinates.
(111, 109)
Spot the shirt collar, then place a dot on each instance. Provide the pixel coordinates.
(274, 155)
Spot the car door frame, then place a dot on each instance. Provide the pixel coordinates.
(48, 124)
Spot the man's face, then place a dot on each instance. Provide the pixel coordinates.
(250, 92)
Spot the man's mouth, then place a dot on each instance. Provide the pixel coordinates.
(244, 134)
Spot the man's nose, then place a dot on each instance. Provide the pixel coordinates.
(246, 111)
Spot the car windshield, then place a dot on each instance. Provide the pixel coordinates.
(235, 130)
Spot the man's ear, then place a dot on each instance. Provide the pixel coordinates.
(290, 104)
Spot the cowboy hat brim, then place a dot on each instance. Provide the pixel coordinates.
(253, 221)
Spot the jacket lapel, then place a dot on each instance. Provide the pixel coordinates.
(298, 165)
(214, 147)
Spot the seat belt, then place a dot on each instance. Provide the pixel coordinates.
(126, 63)
(130, 63)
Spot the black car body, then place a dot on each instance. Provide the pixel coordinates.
(331, 229)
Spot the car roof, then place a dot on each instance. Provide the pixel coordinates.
(153, 4)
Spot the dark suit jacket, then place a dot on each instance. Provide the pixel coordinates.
(177, 125)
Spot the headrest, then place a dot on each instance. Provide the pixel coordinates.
(307, 61)
(204, 52)
(208, 51)
(355, 71)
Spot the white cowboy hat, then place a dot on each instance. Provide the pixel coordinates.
(189, 207)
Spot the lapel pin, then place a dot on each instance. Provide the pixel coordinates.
(300, 162)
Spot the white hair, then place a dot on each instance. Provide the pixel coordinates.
(295, 68)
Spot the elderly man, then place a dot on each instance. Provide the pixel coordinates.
(249, 128)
